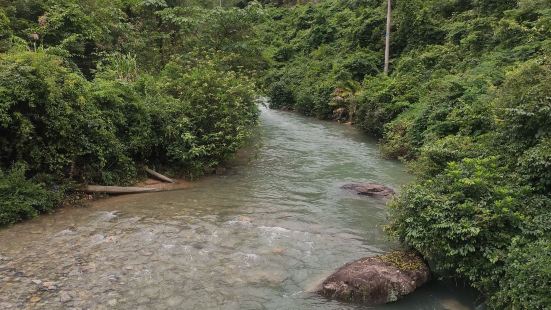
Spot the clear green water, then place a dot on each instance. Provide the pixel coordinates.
(260, 237)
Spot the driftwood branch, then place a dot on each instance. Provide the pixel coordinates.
(159, 176)
(92, 189)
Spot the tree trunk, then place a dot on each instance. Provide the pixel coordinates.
(158, 176)
(388, 28)
(116, 189)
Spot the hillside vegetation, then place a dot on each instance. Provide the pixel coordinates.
(90, 91)
(467, 105)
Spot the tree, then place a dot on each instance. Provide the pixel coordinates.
(388, 28)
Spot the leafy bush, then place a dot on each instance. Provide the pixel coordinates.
(126, 110)
(524, 104)
(280, 94)
(434, 157)
(359, 65)
(535, 165)
(21, 198)
(43, 106)
(463, 220)
(208, 116)
(380, 103)
(48, 122)
(396, 142)
(5, 32)
(526, 280)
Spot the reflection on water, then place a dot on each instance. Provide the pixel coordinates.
(260, 237)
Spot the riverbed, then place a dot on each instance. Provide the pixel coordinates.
(261, 236)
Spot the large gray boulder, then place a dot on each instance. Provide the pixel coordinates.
(370, 189)
(377, 280)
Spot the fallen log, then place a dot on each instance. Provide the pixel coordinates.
(159, 176)
(93, 189)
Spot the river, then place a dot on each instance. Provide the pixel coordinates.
(259, 237)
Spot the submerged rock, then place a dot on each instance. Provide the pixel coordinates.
(65, 297)
(278, 251)
(377, 280)
(36, 281)
(49, 286)
(370, 189)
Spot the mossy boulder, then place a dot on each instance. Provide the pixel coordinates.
(378, 279)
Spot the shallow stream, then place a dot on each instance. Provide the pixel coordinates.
(259, 237)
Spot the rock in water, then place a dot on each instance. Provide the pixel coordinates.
(377, 280)
(49, 286)
(64, 297)
(370, 189)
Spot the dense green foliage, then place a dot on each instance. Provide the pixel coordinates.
(90, 91)
(467, 105)
(23, 199)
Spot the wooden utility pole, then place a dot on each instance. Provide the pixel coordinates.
(388, 28)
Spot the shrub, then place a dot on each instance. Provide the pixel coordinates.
(208, 117)
(359, 65)
(42, 106)
(463, 220)
(524, 104)
(535, 166)
(527, 277)
(281, 96)
(48, 121)
(5, 32)
(380, 104)
(126, 111)
(396, 142)
(88, 104)
(21, 198)
(434, 157)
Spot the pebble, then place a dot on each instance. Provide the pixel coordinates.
(91, 267)
(74, 273)
(175, 301)
(278, 251)
(112, 303)
(113, 277)
(64, 297)
(50, 286)
(243, 218)
(37, 282)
